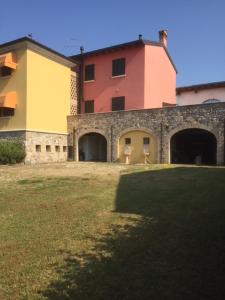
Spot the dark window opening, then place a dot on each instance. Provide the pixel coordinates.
(38, 148)
(118, 67)
(118, 103)
(89, 106)
(57, 148)
(48, 148)
(146, 141)
(5, 71)
(64, 149)
(89, 72)
(6, 112)
(127, 141)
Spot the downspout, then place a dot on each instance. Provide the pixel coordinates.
(81, 80)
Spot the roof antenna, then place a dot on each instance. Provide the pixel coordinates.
(140, 37)
(30, 35)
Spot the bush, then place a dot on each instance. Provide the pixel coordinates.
(11, 152)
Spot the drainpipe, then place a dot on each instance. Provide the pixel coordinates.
(81, 79)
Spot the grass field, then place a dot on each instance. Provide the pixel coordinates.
(108, 231)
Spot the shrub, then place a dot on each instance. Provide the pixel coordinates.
(11, 152)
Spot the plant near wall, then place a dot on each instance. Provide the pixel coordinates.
(11, 152)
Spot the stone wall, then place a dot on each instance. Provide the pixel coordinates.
(162, 123)
(41, 147)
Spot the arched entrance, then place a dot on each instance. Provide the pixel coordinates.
(92, 147)
(193, 146)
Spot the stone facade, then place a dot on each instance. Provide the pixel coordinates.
(40, 147)
(162, 123)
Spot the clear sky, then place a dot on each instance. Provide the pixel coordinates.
(196, 29)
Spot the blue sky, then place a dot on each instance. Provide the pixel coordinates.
(196, 29)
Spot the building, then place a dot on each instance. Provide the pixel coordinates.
(112, 104)
(135, 75)
(35, 98)
(212, 92)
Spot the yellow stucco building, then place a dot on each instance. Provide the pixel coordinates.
(35, 98)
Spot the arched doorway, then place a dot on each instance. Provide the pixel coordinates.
(137, 146)
(92, 147)
(193, 146)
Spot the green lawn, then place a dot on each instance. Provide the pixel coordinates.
(112, 232)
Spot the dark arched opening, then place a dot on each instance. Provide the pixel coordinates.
(193, 146)
(92, 147)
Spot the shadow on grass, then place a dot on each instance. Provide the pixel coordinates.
(174, 250)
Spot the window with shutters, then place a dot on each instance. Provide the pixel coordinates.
(118, 67)
(89, 72)
(89, 106)
(118, 103)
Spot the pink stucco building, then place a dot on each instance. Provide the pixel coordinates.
(201, 93)
(135, 75)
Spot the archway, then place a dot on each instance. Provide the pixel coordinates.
(92, 147)
(193, 146)
(137, 146)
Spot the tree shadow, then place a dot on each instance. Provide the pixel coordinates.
(174, 250)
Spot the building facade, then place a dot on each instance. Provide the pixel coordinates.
(213, 92)
(35, 98)
(135, 75)
(116, 104)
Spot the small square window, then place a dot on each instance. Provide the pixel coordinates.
(38, 148)
(64, 149)
(48, 148)
(127, 141)
(89, 72)
(118, 103)
(146, 141)
(57, 148)
(118, 67)
(89, 106)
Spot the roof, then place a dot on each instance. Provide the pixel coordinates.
(139, 42)
(202, 86)
(29, 40)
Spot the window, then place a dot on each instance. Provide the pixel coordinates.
(5, 71)
(57, 148)
(127, 141)
(48, 148)
(38, 148)
(211, 101)
(118, 67)
(89, 72)
(6, 112)
(118, 103)
(146, 141)
(89, 106)
(64, 149)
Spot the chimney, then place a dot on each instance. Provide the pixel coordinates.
(163, 37)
